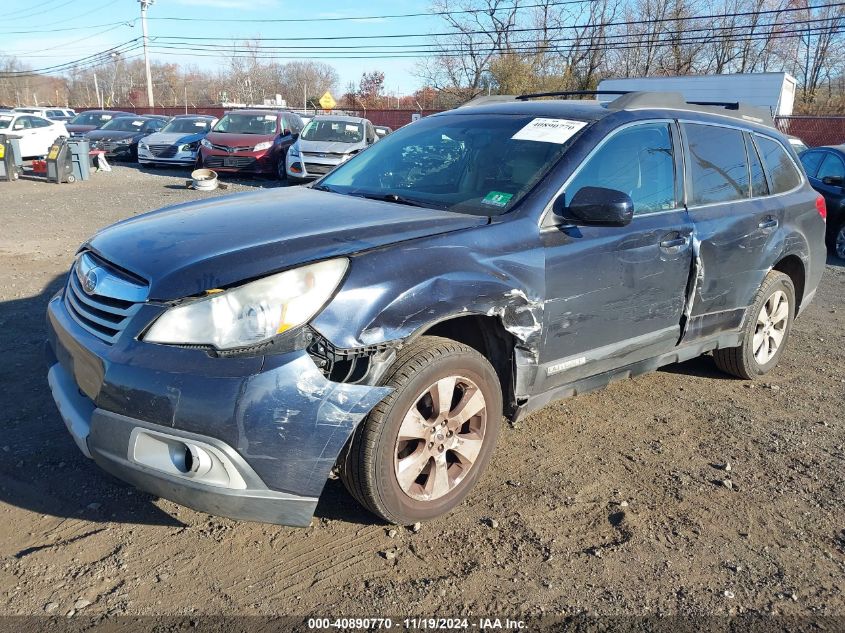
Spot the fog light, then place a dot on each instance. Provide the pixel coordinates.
(197, 461)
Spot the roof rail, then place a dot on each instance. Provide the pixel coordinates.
(482, 99)
(571, 93)
(675, 100)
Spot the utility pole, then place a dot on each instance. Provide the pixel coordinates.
(144, 5)
(97, 91)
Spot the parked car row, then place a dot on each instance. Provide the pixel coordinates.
(279, 143)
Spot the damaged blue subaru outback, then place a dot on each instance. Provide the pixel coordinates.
(234, 353)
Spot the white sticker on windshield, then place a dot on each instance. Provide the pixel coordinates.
(199, 123)
(269, 117)
(106, 117)
(549, 130)
(351, 128)
(137, 123)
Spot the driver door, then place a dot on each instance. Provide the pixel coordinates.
(615, 295)
(29, 139)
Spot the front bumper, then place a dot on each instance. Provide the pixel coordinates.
(178, 157)
(271, 428)
(308, 167)
(264, 162)
(113, 150)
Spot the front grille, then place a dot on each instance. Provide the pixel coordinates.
(115, 299)
(163, 151)
(239, 162)
(317, 169)
(323, 154)
(234, 148)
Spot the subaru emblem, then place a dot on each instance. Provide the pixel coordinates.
(89, 283)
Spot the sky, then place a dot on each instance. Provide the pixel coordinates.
(40, 49)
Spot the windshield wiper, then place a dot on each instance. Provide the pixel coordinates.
(323, 188)
(390, 197)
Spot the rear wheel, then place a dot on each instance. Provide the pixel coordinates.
(420, 451)
(839, 242)
(766, 330)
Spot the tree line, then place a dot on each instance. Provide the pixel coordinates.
(498, 47)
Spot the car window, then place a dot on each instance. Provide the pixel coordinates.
(154, 125)
(718, 170)
(831, 167)
(639, 161)
(55, 113)
(242, 123)
(759, 187)
(444, 161)
(23, 123)
(333, 131)
(39, 122)
(811, 162)
(125, 124)
(781, 171)
(5, 122)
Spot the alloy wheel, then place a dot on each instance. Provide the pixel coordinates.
(839, 245)
(440, 438)
(771, 327)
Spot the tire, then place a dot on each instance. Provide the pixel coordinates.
(766, 322)
(281, 169)
(839, 242)
(370, 470)
(71, 179)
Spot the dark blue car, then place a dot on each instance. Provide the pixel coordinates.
(229, 354)
(825, 167)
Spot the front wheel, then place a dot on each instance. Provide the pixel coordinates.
(281, 169)
(766, 330)
(421, 450)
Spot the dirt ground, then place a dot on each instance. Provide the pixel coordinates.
(609, 503)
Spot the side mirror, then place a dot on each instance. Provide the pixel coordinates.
(599, 206)
(835, 181)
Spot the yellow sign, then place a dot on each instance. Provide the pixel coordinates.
(2, 151)
(327, 101)
(54, 151)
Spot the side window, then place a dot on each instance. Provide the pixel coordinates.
(758, 176)
(811, 162)
(832, 167)
(371, 134)
(717, 164)
(780, 169)
(23, 123)
(639, 161)
(55, 113)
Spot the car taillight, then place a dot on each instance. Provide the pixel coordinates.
(821, 207)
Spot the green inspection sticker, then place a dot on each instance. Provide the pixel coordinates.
(497, 198)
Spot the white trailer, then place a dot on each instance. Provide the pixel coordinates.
(775, 91)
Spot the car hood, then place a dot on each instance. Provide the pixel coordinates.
(172, 138)
(239, 140)
(109, 135)
(190, 248)
(329, 147)
(80, 128)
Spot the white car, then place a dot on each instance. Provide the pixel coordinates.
(54, 114)
(36, 133)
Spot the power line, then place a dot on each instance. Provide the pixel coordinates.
(602, 44)
(379, 17)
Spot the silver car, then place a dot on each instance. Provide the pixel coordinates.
(326, 142)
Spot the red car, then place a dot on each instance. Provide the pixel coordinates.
(254, 141)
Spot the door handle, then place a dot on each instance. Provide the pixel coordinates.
(768, 223)
(673, 242)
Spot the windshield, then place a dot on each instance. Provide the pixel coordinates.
(124, 124)
(247, 124)
(333, 131)
(5, 121)
(479, 164)
(187, 126)
(91, 118)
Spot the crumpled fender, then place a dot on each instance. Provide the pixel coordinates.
(392, 294)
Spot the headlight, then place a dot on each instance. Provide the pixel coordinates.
(294, 149)
(206, 144)
(252, 313)
(142, 146)
(261, 146)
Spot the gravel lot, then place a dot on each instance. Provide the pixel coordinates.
(609, 503)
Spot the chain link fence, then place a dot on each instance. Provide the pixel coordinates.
(814, 130)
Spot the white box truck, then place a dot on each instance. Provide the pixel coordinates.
(775, 91)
